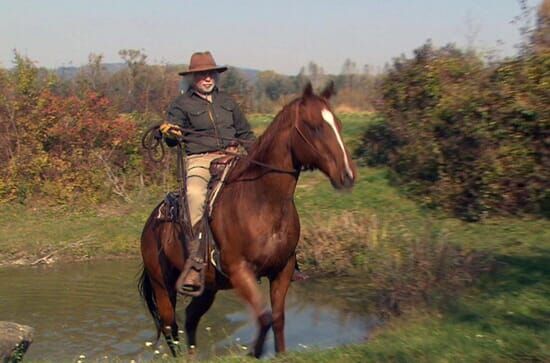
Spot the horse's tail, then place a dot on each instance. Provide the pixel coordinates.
(146, 291)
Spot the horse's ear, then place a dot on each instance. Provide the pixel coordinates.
(308, 90)
(328, 91)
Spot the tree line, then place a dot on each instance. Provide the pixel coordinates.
(69, 139)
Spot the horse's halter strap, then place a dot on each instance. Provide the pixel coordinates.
(301, 133)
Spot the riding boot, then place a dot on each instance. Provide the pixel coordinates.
(191, 279)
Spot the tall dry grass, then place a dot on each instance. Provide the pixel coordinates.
(401, 268)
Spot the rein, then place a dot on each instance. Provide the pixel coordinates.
(301, 133)
(152, 140)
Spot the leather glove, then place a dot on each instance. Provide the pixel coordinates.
(170, 130)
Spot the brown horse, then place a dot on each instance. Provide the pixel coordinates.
(255, 223)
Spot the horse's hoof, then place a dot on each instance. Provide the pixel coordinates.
(299, 276)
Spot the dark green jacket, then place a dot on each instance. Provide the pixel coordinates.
(221, 118)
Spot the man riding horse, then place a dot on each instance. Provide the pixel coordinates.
(215, 118)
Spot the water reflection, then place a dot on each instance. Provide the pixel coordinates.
(94, 309)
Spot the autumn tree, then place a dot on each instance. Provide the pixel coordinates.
(541, 33)
(134, 79)
(316, 74)
(271, 90)
(93, 76)
(233, 82)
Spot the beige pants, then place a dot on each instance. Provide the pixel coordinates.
(198, 175)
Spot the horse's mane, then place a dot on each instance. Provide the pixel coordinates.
(265, 142)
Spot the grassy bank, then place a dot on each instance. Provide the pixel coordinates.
(465, 292)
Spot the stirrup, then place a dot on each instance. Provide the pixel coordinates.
(192, 265)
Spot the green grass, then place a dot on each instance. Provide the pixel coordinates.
(104, 231)
(503, 316)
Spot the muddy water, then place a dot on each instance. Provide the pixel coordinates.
(94, 309)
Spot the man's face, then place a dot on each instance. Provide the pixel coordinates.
(204, 82)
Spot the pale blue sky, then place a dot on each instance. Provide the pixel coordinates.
(281, 35)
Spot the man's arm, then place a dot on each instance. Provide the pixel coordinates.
(176, 116)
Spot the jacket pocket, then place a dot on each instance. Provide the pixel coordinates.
(199, 118)
(228, 105)
(226, 114)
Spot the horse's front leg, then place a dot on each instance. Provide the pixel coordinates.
(244, 281)
(278, 288)
(193, 313)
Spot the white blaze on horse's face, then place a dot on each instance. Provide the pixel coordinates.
(329, 119)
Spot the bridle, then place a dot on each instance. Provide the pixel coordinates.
(296, 119)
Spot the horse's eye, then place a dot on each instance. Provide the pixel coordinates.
(315, 128)
(318, 130)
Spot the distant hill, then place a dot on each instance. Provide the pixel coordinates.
(251, 75)
(71, 72)
(67, 72)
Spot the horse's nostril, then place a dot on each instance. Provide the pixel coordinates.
(347, 179)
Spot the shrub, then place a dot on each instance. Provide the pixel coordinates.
(400, 267)
(468, 137)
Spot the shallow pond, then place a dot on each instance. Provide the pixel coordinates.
(94, 309)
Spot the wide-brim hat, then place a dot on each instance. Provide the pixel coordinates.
(201, 62)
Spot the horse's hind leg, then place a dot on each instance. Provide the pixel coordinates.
(278, 289)
(193, 313)
(166, 302)
(244, 282)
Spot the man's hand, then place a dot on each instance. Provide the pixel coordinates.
(171, 131)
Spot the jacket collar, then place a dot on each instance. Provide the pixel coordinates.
(192, 91)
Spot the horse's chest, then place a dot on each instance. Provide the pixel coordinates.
(274, 248)
(265, 238)
(276, 242)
